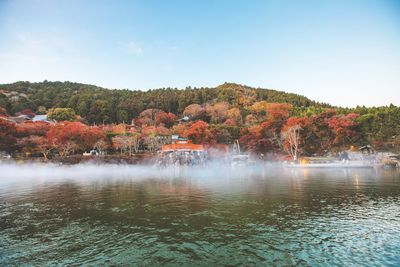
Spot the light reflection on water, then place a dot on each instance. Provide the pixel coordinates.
(124, 215)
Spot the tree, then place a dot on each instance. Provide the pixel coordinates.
(218, 112)
(62, 114)
(74, 136)
(234, 115)
(250, 120)
(119, 129)
(43, 145)
(345, 129)
(41, 110)
(259, 108)
(253, 140)
(3, 111)
(119, 142)
(154, 137)
(101, 145)
(7, 135)
(291, 140)
(321, 135)
(28, 112)
(166, 119)
(278, 111)
(66, 148)
(194, 111)
(29, 128)
(148, 116)
(134, 142)
(129, 143)
(199, 132)
(221, 134)
(179, 129)
(296, 134)
(271, 128)
(100, 112)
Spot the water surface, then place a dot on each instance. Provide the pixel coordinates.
(124, 215)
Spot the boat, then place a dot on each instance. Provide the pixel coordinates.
(330, 165)
(241, 160)
(390, 161)
(330, 162)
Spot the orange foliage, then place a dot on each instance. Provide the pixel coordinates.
(199, 132)
(230, 122)
(167, 119)
(194, 111)
(33, 128)
(179, 129)
(235, 115)
(119, 129)
(218, 112)
(82, 136)
(278, 110)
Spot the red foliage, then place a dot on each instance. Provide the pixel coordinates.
(153, 130)
(194, 111)
(179, 129)
(148, 117)
(7, 135)
(278, 110)
(149, 130)
(253, 140)
(28, 128)
(344, 128)
(199, 133)
(119, 128)
(161, 130)
(3, 112)
(230, 122)
(83, 136)
(27, 112)
(132, 130)
(296, 121)
(167, 119)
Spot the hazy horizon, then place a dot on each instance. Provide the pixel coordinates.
(344, 53)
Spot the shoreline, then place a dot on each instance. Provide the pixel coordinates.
(77, 159)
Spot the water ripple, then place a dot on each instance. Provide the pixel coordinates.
(317, 219)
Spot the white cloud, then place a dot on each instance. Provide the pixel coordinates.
(35, 49)
(133, 48)
(30, 56)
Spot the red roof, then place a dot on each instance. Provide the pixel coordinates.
(182, 145)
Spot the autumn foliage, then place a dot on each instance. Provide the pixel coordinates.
(260, 127)
(74, 136)
(199, 132)
(7, 135)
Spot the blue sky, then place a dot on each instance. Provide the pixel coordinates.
(341, 52)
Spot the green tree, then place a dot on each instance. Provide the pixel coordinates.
(62, 114)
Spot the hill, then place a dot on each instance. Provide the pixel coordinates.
(98, 104)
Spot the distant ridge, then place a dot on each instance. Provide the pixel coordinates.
(117, 105)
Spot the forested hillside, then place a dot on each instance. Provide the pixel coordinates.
(100, 105)
(263, 120)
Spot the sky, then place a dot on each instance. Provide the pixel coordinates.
(345, 53)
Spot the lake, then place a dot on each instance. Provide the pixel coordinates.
(137, 215)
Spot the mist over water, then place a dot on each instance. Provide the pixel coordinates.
(140, 215)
